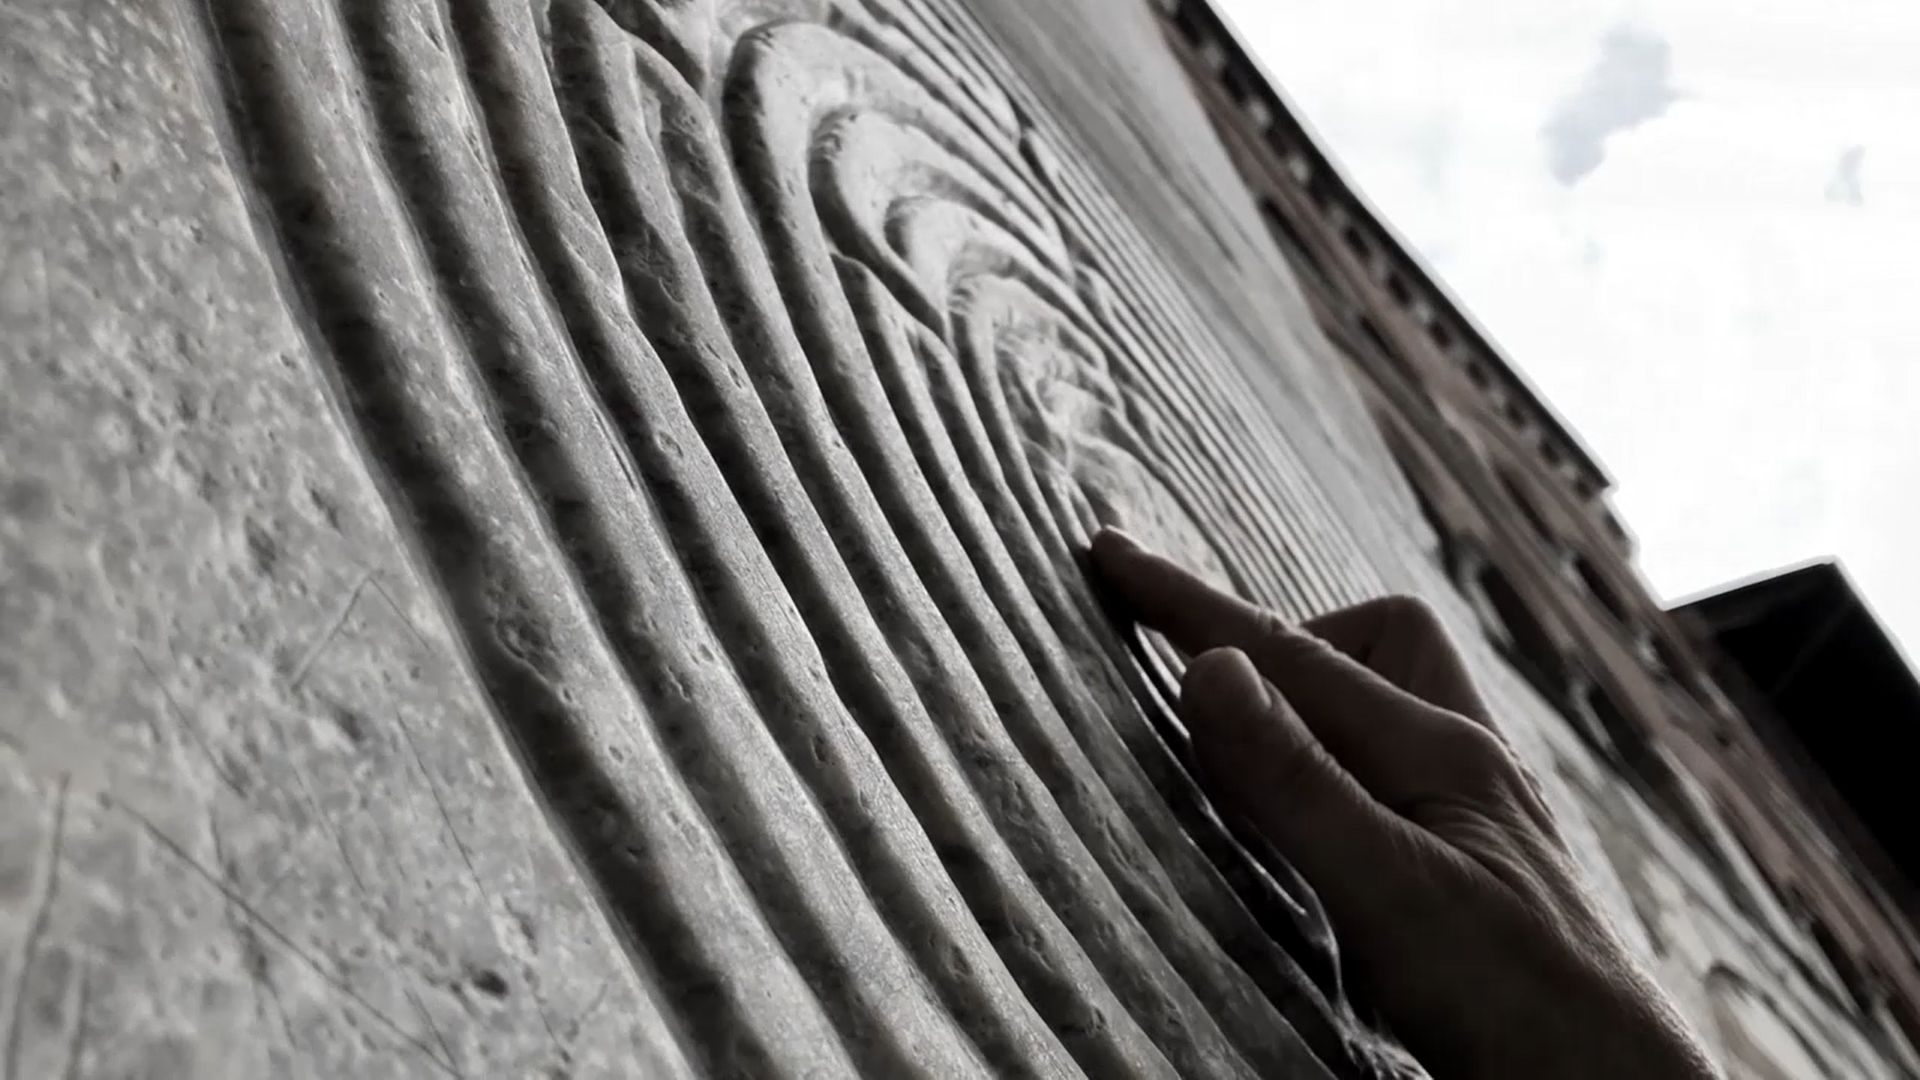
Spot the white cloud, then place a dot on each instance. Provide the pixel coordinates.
(1739, 350)
(1630, 84)
(1845, 185)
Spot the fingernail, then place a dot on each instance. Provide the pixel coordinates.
(1113, 540)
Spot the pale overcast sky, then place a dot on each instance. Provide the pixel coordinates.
(1693, 225)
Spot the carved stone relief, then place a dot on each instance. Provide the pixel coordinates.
(740, 382)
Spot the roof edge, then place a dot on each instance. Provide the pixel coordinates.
(1283, 107)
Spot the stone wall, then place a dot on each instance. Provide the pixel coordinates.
(544, 539)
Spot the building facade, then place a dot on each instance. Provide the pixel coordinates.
(1520, 525)
(547, 538)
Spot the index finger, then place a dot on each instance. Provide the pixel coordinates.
(1394, 743)
(1190, 613)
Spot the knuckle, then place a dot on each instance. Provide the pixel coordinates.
(1478, 759)
(1413, 613)
(1283, 642)
(1303, 769)
(1272, 628)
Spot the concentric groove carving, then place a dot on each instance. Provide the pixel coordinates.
(748, 378)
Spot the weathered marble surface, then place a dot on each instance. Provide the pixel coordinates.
(540, 539)
(543, 541)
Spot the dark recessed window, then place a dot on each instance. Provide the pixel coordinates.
(1397, 288)
(1322, 190)
(1441, 335)
(1666, 658)
(1599, 587)
(1373, 335)
(1478, 373)
(1221, 129)
(1355, 242)
(1613, 525)
(1428, 511)
(1608, 711)
(1528, 511)
(1588, 705)
(1238, 82)
(1521, 637)
(1634, 750)
(1188, 22)
(1858, 986)
(1292, 244)
(1392, 355)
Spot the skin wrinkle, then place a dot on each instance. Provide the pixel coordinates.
(1369, 760)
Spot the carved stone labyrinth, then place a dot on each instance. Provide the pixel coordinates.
(746, 377)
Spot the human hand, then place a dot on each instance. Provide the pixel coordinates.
(1359, 747)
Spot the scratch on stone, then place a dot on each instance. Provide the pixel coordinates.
(365, 894)
(285, 940)
(273, 885)
(241, 928)
(381, 588)
(333, 832)
(440, 804)
(280, 1012)
(286, 1026)
(36, 926)
(445, 1050)
(540, 1006)
(573, 1029)
(193, 730)
(333, 629)
(580, 1022)
(279, 1009)
(587, 1012)
(77, 1041)
(466, 857)
(46, 288)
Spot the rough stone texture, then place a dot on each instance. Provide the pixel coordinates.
(545, 542)
(542, 539)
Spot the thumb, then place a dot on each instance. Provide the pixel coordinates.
(1260, 760)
